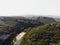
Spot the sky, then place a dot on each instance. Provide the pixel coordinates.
(29, 7)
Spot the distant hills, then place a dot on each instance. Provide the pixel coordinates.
(45, 20)
(35, 18)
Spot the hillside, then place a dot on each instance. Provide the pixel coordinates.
(43, 35)
(6, 23)
(16, 23)
(12, 26)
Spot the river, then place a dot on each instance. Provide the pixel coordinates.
(19, 38)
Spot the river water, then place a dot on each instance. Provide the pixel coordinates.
(19, 38)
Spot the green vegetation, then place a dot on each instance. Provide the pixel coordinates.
(42, 35)
(6, 27)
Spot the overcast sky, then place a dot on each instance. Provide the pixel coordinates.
(27, 7)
